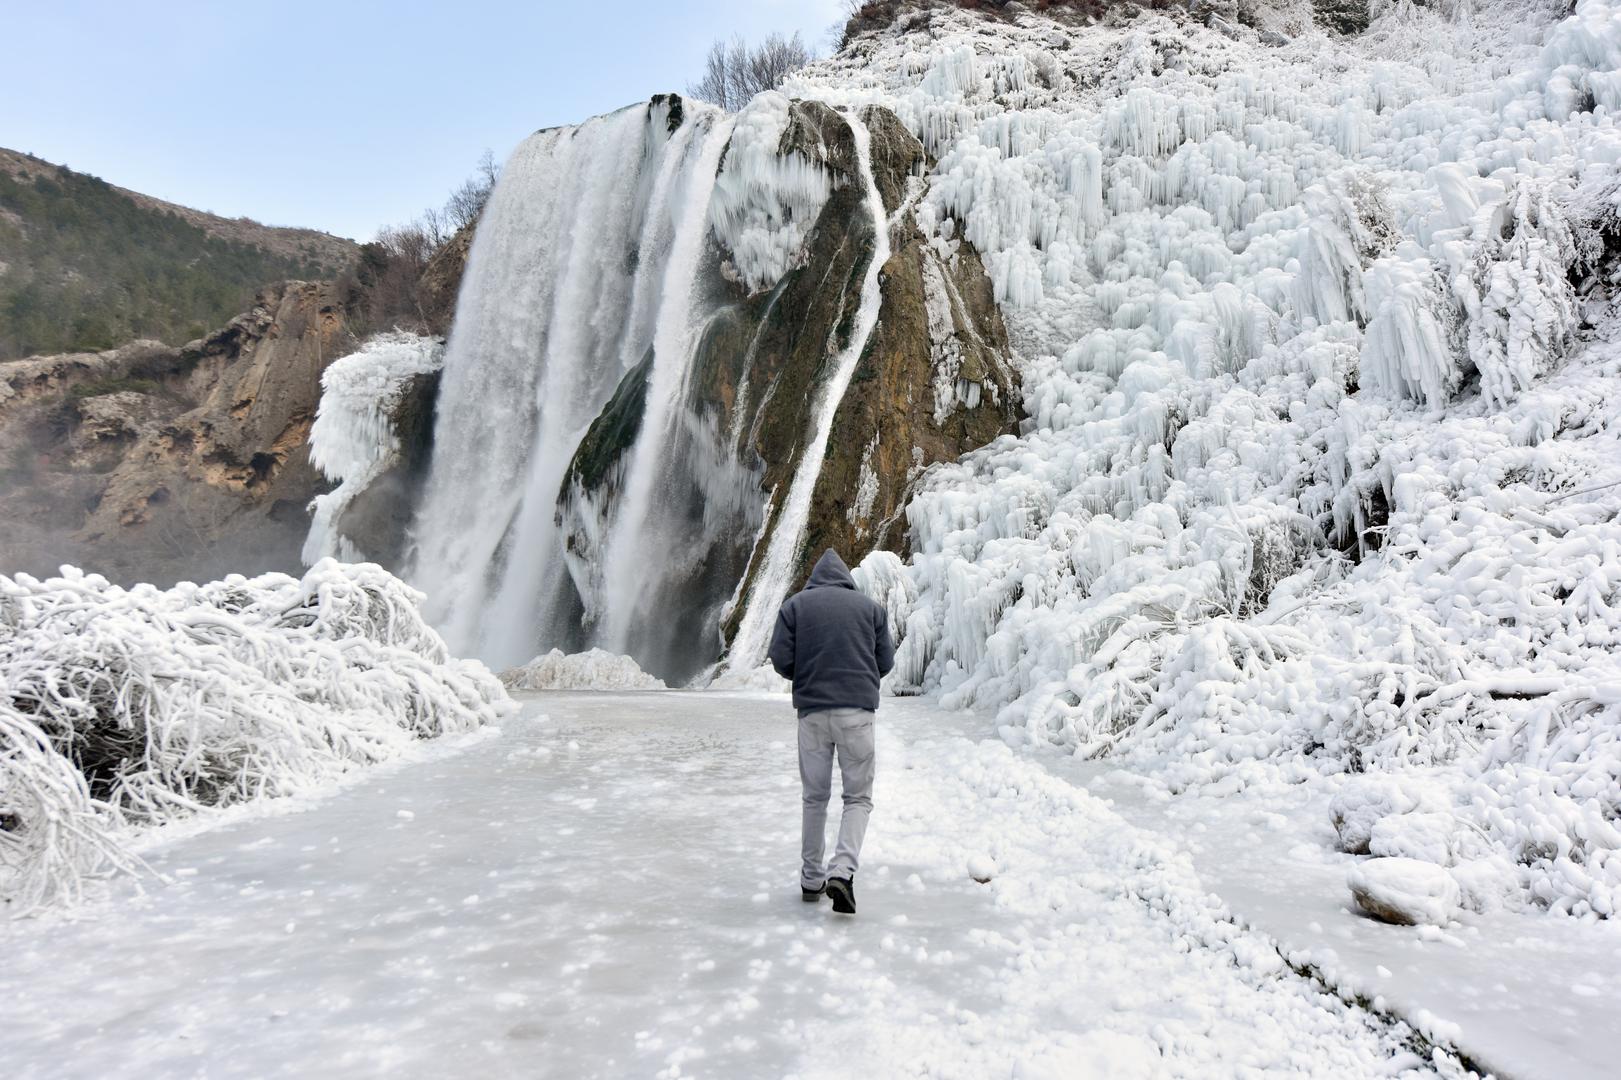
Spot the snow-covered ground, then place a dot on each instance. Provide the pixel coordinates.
(607, 889)
(1524, 993)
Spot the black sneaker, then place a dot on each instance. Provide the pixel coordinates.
(810, 896)
(843, 893)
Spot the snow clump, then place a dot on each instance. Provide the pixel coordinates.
(596, 669)
(1408, 892)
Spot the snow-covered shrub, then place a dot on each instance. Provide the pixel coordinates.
(1349, 225)
(1520, 307)
(136, 706)
(595, 669)
(1410, 351)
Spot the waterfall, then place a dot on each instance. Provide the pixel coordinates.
(596, 478)
(562, 290)
(635, 549)
(775, 578)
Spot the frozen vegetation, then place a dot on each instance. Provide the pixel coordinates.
(134, 707)
(1323, 377)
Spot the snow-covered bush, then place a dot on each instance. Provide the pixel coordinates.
(595, 669)
(1520, 306)
(137, 706)
(1411, 349)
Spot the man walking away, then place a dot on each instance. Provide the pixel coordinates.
(833, 642)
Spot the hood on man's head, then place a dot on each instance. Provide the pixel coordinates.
(830, 570)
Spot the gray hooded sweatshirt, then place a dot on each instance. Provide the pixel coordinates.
(832, 641)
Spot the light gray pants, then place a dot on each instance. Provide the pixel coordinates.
(820, 733)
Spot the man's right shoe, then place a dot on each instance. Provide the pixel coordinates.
(843, 893)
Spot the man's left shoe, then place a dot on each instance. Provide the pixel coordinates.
(810, 896)
(843, 893)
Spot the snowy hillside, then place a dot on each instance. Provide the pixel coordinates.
(1322, 368)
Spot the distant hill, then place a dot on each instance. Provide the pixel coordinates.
(86, 265)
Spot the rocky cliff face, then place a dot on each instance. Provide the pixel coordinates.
(158, 463)
(934, 379)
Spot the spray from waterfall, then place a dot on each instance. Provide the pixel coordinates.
(775, 579)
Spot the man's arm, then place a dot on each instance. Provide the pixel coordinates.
(885, 647)
(782, 644)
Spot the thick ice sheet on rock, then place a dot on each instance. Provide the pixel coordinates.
(353, 440)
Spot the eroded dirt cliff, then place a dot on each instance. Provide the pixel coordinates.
(158, 463)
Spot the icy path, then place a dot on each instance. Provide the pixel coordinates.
(611, 892)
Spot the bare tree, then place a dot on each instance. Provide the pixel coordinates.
(734, 72)
(391, 266)
(466, 203)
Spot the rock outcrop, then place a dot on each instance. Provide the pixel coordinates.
(441, 280)
(157, 463)
(934, 380)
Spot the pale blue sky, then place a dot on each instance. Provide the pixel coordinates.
(339, 115)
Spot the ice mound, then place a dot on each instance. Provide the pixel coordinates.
(596, 669)
(762, 679)
(353, 439)
(122, 707)
(1404, 891)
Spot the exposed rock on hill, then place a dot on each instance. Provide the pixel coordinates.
(160, 463)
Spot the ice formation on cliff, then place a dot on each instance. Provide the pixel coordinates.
(1320, 428)
(353, 440)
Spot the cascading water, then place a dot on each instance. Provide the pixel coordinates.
(633, 551)
(616, 501)
(560, 301)
(788, 536)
